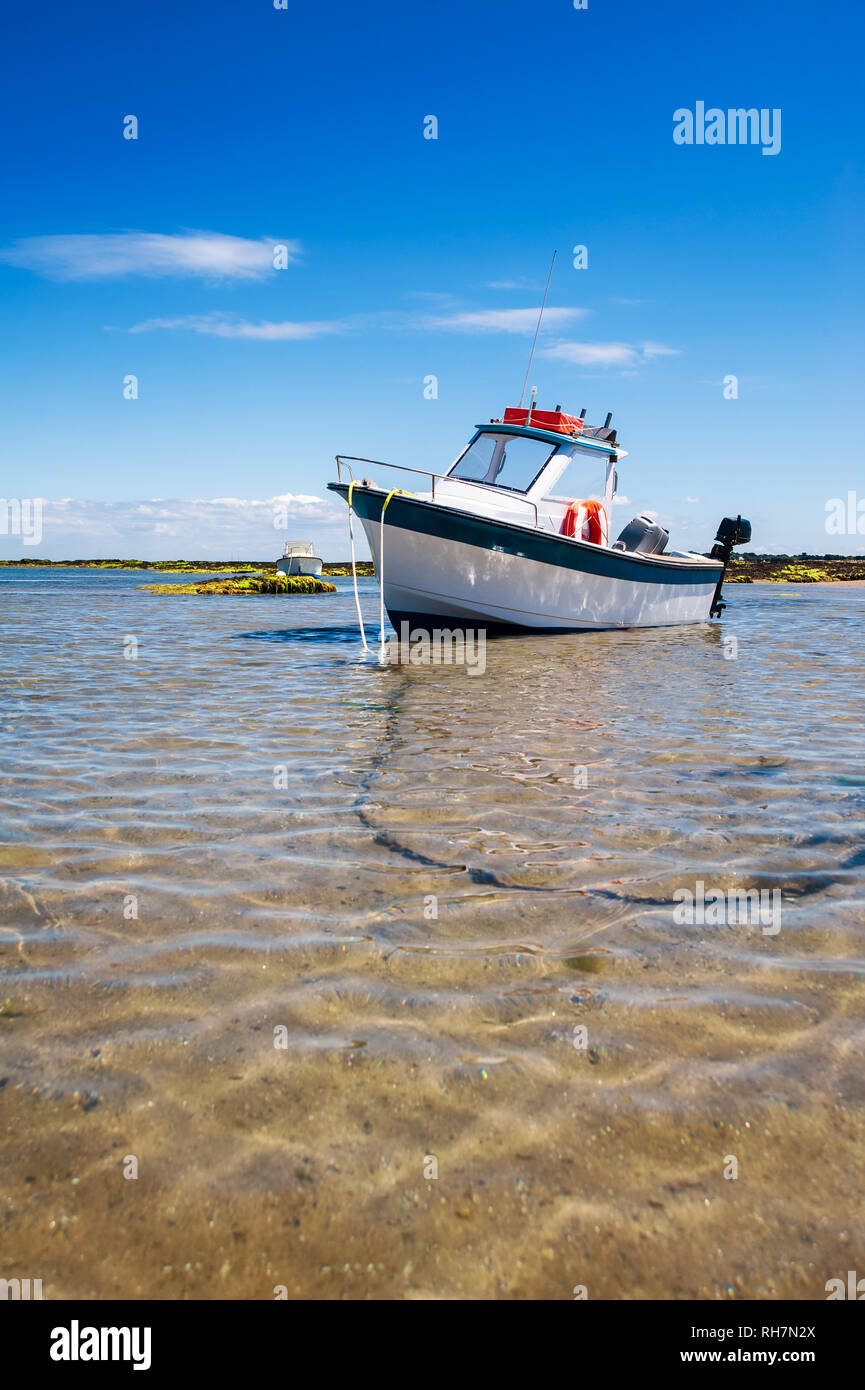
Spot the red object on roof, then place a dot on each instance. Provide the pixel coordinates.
(554, 420)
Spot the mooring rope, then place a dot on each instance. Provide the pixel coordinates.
(381, 563)
(354, 568)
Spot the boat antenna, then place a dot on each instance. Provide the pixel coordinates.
(538, 329)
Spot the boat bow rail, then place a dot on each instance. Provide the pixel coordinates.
(346, 460)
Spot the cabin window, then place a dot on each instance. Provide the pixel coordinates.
(520, 461)
(477, 460)
(584, 476)
(510, 461)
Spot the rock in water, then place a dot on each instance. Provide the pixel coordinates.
(251, 584)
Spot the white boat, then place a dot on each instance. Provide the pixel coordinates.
(516, 535)
(299, 557)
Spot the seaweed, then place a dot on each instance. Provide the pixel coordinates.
(794, 569)
(252, 584)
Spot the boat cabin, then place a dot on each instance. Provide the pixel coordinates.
(538, 467)
(298, 550)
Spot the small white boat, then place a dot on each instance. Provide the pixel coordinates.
(299, 557)
(516, 535)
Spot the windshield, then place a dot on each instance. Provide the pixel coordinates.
(503, 460)
(584, 476)
(477, 459)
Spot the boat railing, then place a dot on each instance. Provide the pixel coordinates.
(346, 460)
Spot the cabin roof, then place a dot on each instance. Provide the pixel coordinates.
(551, 436)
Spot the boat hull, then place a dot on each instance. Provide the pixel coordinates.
(475, 571)
(300, 564)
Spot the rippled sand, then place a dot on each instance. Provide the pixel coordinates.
(308, 908)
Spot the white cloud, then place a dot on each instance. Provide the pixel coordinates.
(593, 354)
(185, 528)
(205, 513)
(692, 499)
(221, 326)
(209, 254)
(607, 354)
(434, 296)
(651, 350)
(505, 320)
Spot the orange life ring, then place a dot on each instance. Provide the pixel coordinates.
(587, 521)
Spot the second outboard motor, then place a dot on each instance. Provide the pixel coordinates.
(644, 536)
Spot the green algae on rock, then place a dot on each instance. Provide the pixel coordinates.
(795, 569)
(253, 584)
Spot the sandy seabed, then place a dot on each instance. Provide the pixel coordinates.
(294, 910)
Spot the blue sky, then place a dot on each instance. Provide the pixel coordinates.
(411, 257)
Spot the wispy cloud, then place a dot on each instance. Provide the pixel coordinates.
(651, 350)
(505, 320)
(210, 255)
(217, 516)
(171, 528)
(607, 354)
(222, 326)
(508, 285)
(437, 297)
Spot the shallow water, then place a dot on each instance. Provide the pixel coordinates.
(422, 884)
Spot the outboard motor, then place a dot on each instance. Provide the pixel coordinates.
(730, 533)
(644, 536)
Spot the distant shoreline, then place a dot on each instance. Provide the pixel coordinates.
(796, 569)
(364, 567)
(743, 569)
